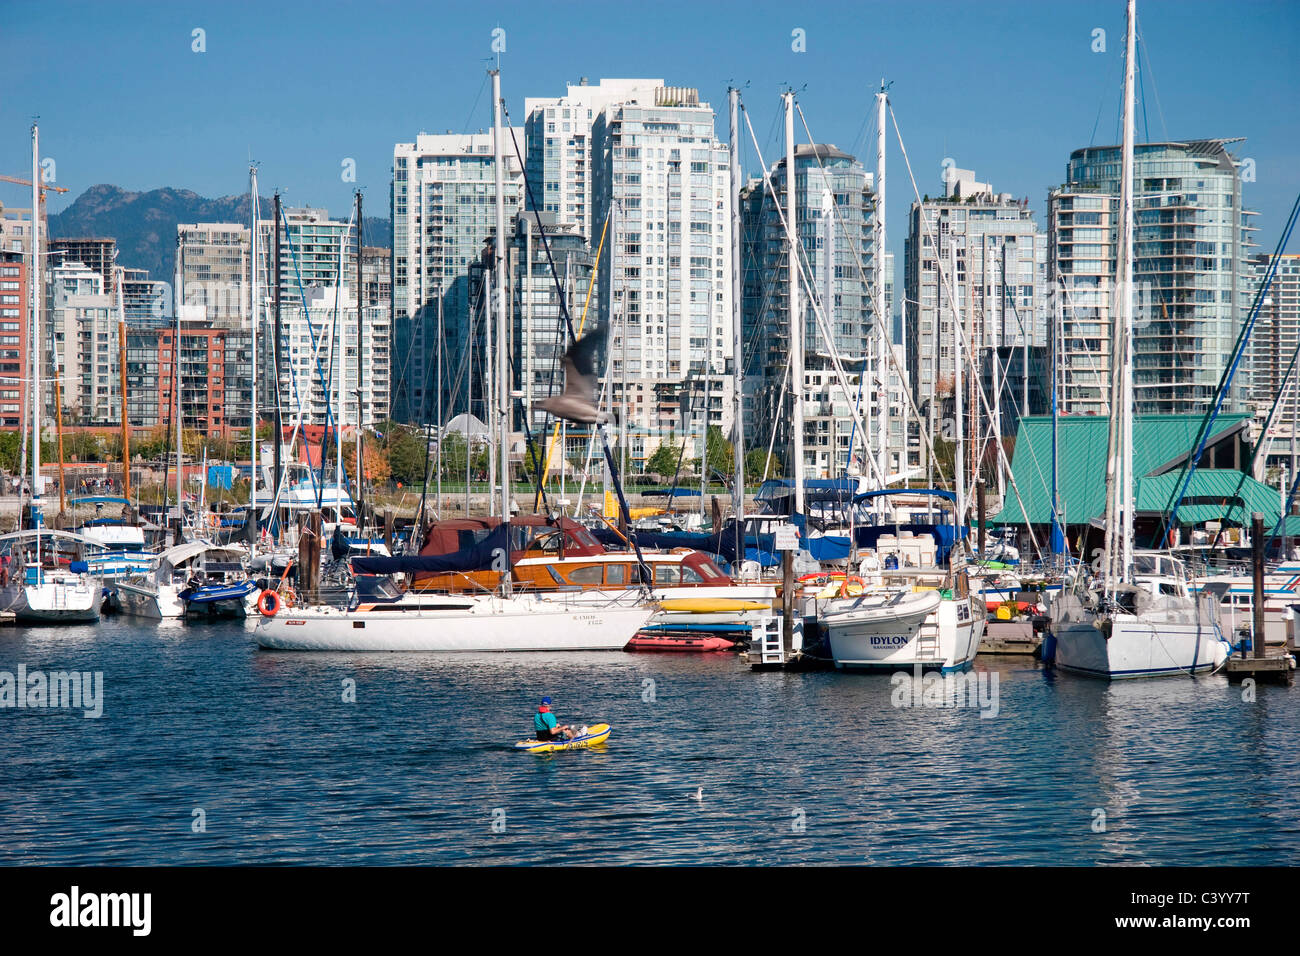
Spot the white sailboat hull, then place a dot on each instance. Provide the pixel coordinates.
(56, 602)
(156, 603)
(1119, 646)
(456, 624)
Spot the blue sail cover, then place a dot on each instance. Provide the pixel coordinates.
(826, 547)
(478, 557)
(717, 542)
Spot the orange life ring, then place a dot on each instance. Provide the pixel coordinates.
(844, 585)
(290, 597)
(268, 603)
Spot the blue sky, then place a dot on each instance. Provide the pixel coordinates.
(1005, 88)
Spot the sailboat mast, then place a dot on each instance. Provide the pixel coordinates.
(441, 435)
(958, 389)
(340, 365)
(499, 249)
(121, 375)
(737, 325)
(277, 438)
(882, 320)
(1057, 529)
(361, 405)
(254, 301)
(176, 388)
(796, 310)
(38, 297)
(1126, 294)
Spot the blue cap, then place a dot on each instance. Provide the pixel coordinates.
(546, 700)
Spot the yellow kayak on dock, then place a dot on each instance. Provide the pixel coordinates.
(596, 734)
(713, 605)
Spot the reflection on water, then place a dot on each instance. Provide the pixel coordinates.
(793, 768)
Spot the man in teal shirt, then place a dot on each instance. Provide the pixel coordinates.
(546, 725)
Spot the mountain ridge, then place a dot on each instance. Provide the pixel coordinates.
(144, 222)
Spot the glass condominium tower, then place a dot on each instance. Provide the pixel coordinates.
(1194, 281)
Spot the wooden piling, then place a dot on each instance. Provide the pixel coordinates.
(787, 602)
(1259, 666)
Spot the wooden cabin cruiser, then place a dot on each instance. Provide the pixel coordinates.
(564, 556)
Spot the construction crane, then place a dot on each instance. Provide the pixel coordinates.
(27, 182)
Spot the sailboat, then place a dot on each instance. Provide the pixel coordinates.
(464, 622)
(1136, 618)
(33, 583)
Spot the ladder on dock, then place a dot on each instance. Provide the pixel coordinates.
(765, 645)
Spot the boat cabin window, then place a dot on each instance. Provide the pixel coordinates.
(548, 543)
(704, 568)
(584, 537)
(691, 576)
(590, 576)
(1167, 588)
(616, 575)
(667, 574)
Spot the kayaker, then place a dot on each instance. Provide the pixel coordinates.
(545, 724)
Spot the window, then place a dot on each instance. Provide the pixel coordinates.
(669, 574)
(588, 576)
(616, 575)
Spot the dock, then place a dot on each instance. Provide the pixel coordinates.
(1010, 637)
(1269, 669)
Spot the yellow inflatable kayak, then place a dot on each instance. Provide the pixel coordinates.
(596, 734)
(713, 605)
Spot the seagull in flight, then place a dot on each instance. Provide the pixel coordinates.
(578, 401)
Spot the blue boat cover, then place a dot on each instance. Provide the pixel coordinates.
(478, 557)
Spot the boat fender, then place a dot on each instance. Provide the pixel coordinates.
(268, 604)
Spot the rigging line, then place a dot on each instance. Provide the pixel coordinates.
(961, 332)
(1229, 372)
(293, 376)
(1033, 454)
(478, 99)
(550, 261)
(582, 322)
(785, 381)
(335, 349)
(1154, 88)
(893, 358)
(1146, 126)
(881, 386)
(804, 274)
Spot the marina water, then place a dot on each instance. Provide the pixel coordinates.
(210, 751)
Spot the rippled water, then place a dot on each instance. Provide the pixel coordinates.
(420, 768)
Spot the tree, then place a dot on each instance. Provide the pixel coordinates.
(154, 444)
(374, 463)
(664, 461)
(719, 452)
(758, 462)
(406, 454)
